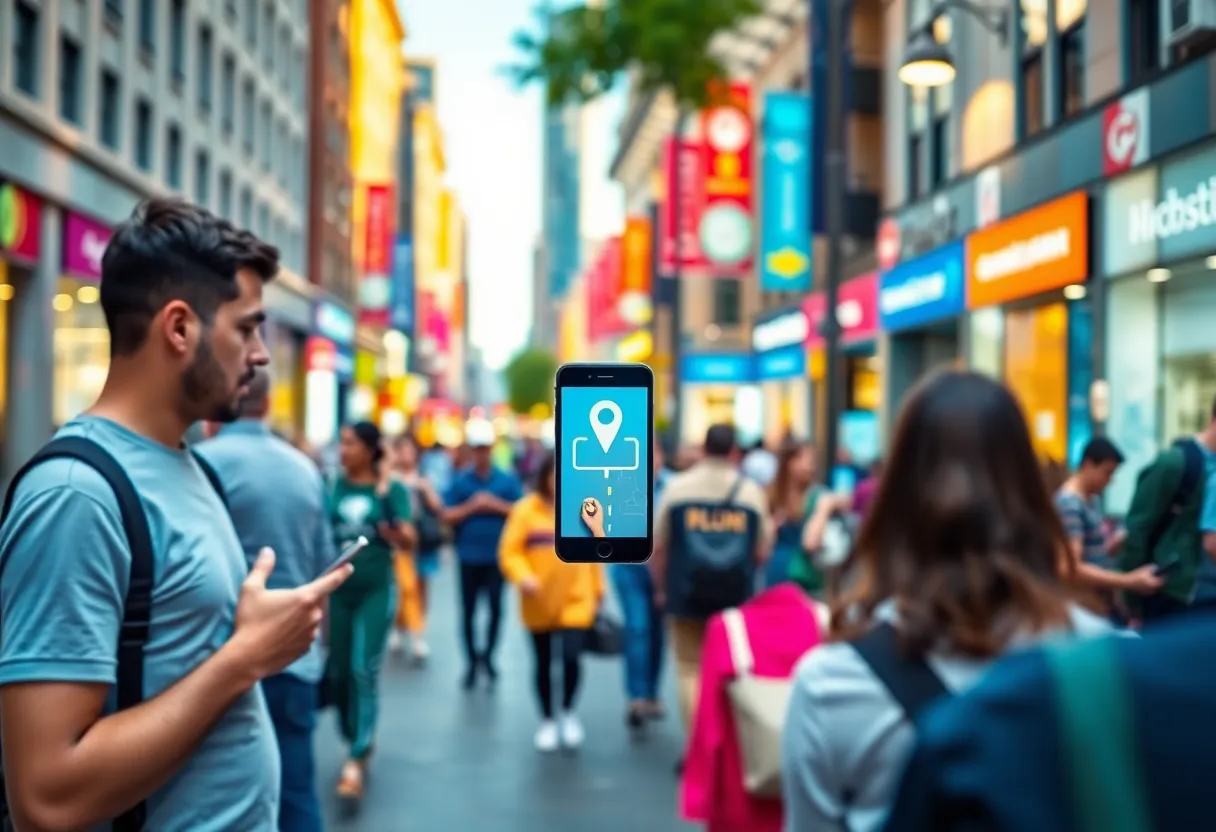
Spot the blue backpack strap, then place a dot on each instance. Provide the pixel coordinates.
(1096, 721)
(137, 607)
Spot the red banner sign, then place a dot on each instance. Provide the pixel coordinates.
(604, 289)
(856, 311)
(375, 289)
(685, 182)
(726, 227)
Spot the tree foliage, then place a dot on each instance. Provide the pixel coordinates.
(529, 379)
(580, 51)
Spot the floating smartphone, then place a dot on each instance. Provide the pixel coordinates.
(348, 554)
(603, 433)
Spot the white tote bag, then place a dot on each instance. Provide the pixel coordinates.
(759, 706)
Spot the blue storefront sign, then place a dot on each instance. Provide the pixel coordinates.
(783, 363)
(336, 324)
(924, 290)
(785, 218)
(716, 368)
(779, 345)
(401, 304)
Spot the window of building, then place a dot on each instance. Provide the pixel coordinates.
(262, 228)
(177, 39)
(147, 26)
(173, 157)
(284, 55)
(1144, 38)
(110, 106)
(1071, 77)
(143, 135)
(27, 38)
(225, 203)
(202, 178)
(916, 166)
(939, 135)
(70, 80)
(205, 58)
(228, 94)
(1032, 92)
(267, 135)
(268, 38)
(247, 116)
(251, 24)
(246, 207)
(728, 309)
(114, 11)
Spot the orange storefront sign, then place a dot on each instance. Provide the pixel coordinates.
(1043, 249)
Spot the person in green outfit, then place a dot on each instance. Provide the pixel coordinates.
(364, 501)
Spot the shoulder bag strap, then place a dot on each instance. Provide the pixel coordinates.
(729, 500)
(212, 475)
(1096, 721)
(911, 682)
(740, 646)
(137, 607)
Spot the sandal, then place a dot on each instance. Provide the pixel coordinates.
(350, 782)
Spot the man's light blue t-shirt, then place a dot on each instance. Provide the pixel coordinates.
(64, 566)
(276, 498)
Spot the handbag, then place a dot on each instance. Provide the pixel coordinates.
(758, 705)
(605, 636)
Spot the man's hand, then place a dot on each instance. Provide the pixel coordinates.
(276, 627)
(1145, 580)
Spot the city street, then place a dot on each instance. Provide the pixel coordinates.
(450, 761)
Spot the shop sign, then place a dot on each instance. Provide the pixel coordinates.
(84, 244)
(1176, 219)
(684, 171)
(1124, 204)
(334, 322)
(780, 331)
(1039, 250)
(716, 368)
(403, 289)
(927, 289)
(856, 311)
(781, 363)
(20, 223)
(726, 225)
(320, 355)
(1125, 133)
(927, 227)
(785, 221)
(375, 287)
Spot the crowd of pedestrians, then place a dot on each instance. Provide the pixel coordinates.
(944, 642)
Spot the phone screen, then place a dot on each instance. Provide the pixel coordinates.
(604, 455)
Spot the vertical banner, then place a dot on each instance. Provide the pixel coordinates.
(725, 229)
(684, 177)
(785, 220)
(402, 314)
(595, 299)
(634, 306)
(375, 293)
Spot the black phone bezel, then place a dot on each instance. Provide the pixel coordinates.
(622, 549)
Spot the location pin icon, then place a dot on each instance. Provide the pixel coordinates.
(605, 433)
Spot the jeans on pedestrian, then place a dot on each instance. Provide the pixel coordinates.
(570, 645)
(644, 636)
(359, 624)
(293, 710)
(478, 580)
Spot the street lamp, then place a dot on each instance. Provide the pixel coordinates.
(928, 62)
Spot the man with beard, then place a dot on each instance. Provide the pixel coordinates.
(182, 295)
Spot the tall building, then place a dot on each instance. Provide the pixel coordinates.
(329, 199)
(543, 332)
(103, 104)
(560, 213)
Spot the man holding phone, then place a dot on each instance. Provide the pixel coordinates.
(277, 498)
(479, 501)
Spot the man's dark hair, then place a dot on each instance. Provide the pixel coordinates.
(720, 440)
(171, 250)
(1099, 451)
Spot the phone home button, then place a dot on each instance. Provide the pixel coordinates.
(604, 550)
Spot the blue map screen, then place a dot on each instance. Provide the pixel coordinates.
(605, 454)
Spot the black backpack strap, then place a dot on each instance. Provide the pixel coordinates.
(911, 682)
(212, 475)
(729, 500)
(137, 607)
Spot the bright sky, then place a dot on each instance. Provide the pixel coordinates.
(493, 134)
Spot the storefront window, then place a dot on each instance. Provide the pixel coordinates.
(1132, 333)
(987, 332)
(82, 348)
(286, 403)
(1188, 349)
(1036, 370)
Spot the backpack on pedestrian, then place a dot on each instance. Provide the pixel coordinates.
(137, 606)
(1163, 518)
(712, 555)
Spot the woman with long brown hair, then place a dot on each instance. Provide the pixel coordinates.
(961, 558)
(787, 500)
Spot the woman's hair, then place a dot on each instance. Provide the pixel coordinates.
(962, 534)
(547, 466)
(370, 437)
(783, 483)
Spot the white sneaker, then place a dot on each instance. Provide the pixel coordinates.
(419, 649)
(572, 731)
(396, 641)
(547, 737)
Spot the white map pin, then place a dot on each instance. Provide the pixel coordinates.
(605, 433)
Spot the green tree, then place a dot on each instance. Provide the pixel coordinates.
(529, 379)
(580, 52)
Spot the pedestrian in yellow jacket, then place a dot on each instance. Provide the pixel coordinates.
(558, 602)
